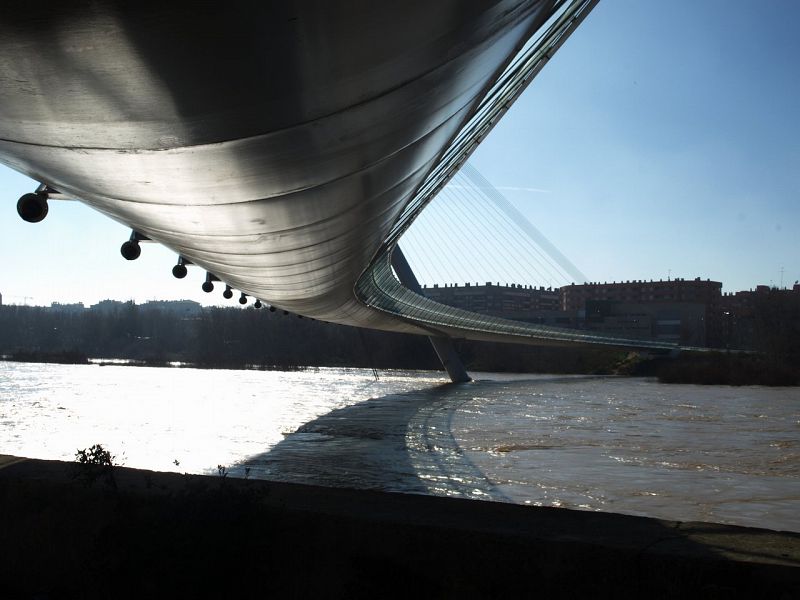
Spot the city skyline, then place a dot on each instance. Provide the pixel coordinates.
(660, 141)
(233, 301)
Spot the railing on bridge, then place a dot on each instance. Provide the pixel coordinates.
(380, 289)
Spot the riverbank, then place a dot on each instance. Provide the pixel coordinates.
(71, 357)
(709, 368)
(718, 368)
(148, 534)
(78, 358)
(232, 338)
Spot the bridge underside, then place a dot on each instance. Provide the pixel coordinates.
(276, 147)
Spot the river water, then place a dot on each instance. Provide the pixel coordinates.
(699, 453)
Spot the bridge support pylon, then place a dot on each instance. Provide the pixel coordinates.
(443, 345)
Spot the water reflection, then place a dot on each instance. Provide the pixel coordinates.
(398, 442)
(586, 443)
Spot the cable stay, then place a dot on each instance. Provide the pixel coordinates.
(472, 233)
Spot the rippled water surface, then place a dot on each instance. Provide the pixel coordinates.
(634, 446)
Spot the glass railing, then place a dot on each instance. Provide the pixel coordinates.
(380, 289)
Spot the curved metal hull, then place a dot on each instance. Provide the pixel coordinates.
(274, 147)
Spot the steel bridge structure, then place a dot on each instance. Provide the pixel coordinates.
(283, 147)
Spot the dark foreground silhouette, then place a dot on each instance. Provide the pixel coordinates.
(156, 535)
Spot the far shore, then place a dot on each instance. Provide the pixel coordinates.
(712, 368)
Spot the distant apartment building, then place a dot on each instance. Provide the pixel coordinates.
(511, 301)
(685, 311)
(739, 313)
(182, 308)
(690, 312)
(744, 302)
(678, 322)
(677, 310)
(111, 306)
(74, 308)
(574, 297)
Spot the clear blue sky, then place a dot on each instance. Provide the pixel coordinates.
(664, 135)
(668, 137)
